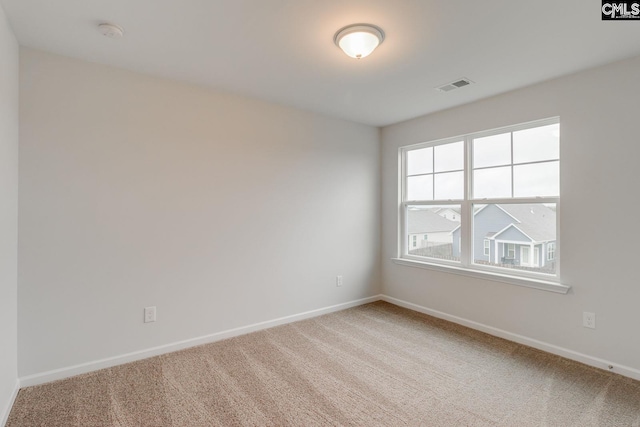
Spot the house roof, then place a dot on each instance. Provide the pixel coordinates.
(427, 221)
(512, 226)
(535, 220)
(456, 210)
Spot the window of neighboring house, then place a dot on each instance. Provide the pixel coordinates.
(415, 240)
(551, 251)
(511, 250)
(504, 182)
(425, 236)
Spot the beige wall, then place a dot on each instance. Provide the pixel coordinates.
(598, 112)
(221, 211)
(8, 214)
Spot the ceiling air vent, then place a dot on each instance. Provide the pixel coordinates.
(454, 85)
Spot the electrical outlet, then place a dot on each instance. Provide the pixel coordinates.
(338, 281)
(149, 314)
(589, 320)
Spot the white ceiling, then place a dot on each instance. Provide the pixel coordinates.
(282, 50)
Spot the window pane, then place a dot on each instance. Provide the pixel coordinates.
(538, 179)
(449, 186)
(533, 145)
(420, 161)
(432, 233)
(492, 150)
(449, 157)
(420, 187)
(519, 236)
(492, 183)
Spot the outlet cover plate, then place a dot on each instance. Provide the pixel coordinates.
(149, 314)
(589, 320)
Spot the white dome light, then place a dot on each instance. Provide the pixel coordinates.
(359, 40)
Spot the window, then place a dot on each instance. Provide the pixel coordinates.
(504, 183)
(414, 243)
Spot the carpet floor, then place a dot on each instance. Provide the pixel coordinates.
(373, 365)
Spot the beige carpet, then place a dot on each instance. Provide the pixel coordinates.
(374, 365)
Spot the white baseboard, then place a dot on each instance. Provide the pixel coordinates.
(83, 368)
(4, 415)
(62, 373)
(549, 348)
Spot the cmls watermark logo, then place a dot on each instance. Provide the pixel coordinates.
(620, 10)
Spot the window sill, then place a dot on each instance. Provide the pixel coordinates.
(544, 285)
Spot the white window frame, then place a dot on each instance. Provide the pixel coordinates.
(487, 247)
(551, 251)
(511, 249)
(466, 266)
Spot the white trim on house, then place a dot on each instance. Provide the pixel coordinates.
(517, 228)
(475, 201)
(508, 243)
(596, 362)
(530, 259)
(495, 203)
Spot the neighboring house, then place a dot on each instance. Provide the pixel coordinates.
(521, 235)
(427, 228)
(451, 214)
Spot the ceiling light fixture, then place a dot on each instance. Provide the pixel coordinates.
(110, 30)
(359, 40)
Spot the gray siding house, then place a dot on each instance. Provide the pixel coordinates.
(521, 235)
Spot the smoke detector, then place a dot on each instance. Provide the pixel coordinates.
(457, 84)
(110, 30)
